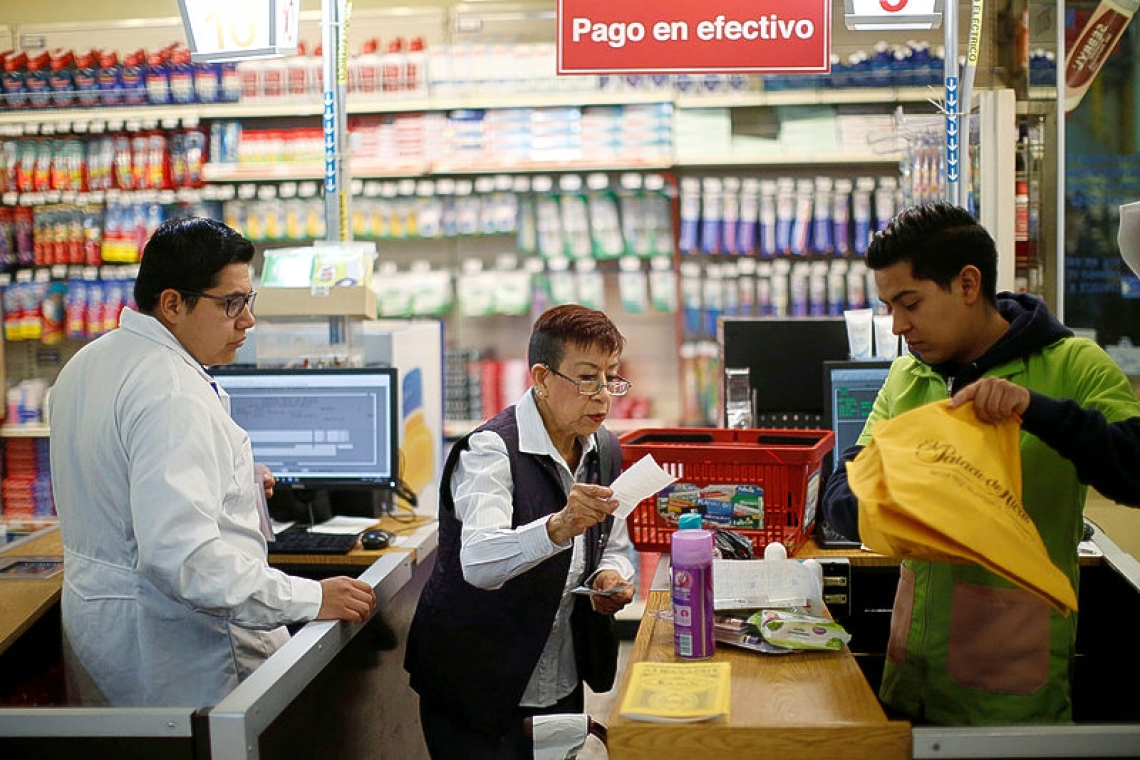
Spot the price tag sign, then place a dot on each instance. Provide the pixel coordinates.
(234, 30)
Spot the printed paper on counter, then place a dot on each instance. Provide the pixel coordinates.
(640, 481)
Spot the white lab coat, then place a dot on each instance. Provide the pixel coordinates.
(168, 599)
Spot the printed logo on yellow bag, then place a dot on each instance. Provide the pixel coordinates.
(937, 484)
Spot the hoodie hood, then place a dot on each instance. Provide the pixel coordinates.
(1032, 327)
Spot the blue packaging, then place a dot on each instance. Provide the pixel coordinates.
(801, 225)
(841, 217)
(861, 213)
(157, 79)
(749, 215)
(712, 211)
(821, 217)
(730, 213)
(785, 215)
(690, 203)
(767, 218)
(133, 80)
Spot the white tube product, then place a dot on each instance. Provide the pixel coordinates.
(886, 342)
(859, 330)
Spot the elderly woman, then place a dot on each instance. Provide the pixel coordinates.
(525, 517)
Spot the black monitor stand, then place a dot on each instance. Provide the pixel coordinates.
(316, 505)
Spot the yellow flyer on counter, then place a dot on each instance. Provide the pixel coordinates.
(678, 692)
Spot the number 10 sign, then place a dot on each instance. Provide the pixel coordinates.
(230, 30)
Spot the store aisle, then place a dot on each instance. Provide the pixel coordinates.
(600, 706)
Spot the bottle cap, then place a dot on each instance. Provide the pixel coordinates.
(692, 547)
(689, 521)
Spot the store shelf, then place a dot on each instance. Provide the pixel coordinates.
(25, 431)
(796, 97)
(788, 159)
(133, 118)
(314, 170)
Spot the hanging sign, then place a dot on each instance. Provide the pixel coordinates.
(693, 36)
(233, 30)
(885, 15)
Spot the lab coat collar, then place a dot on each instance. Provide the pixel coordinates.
(146, 326)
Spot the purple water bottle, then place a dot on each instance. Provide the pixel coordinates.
(692, 555)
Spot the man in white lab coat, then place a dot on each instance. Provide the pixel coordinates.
(168, 597)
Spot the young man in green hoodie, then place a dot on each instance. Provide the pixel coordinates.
(966, 646)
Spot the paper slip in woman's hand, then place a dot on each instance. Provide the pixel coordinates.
(640, 481)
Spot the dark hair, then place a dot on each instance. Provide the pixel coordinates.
(187, 254)
(938, 239)
(575, 325)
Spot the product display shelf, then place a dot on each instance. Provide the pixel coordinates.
(62, 120)
(804, 97)
(25, 431)
(789, 160)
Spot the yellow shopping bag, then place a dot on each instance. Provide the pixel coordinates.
(937, 484)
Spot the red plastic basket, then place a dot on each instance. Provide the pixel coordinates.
(785, 463)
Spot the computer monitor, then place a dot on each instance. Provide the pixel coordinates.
(784, 358)
(329, 436)
(849, 391)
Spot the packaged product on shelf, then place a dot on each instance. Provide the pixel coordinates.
(207, 81)
(605, 224)
(748, 215)
(14, 80)
(34, 174)
(836, 286)
(37, 80)
(393, 67)
(861, 213)
(798, 288)
(181, 76)
(785, 214)
(730, 214)
(801, 226)
(156, 76)
(75, 310)
(822, 227)
(364, 69)
(108, 79)
(662, 285)
(768, 217)
(712, 210)
(690, 204)
(61, 80)
(51, 315)
(590, 284)
(841, 217)
(7, 238)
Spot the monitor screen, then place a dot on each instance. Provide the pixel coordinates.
(317, 428)
(784, 358)
(849, 391)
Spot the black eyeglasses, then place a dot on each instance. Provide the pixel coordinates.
(617, 386)
(234, 305)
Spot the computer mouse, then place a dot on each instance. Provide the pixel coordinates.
(377, 538)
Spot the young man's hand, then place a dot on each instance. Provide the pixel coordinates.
(995, 399)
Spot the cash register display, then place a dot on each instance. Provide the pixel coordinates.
(850, 389)
(319, 428)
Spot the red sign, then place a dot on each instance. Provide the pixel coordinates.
(693, 36)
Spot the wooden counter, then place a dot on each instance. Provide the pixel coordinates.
(23, 602)
(811, 704)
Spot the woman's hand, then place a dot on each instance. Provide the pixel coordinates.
(588, 504)
(608, 605)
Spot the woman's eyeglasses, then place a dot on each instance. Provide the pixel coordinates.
(234, 305)
(617, 386)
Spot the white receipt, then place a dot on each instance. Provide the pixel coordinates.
(643, 479)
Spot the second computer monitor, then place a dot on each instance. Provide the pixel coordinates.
(849, 391)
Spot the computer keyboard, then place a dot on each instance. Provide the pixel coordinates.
(302, 541)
